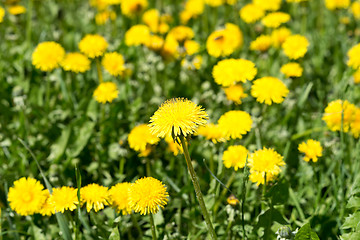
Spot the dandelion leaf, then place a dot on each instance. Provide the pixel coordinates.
(305, 233)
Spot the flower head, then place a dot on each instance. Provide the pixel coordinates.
(93, 45)
(76, 62)
(133, 7)
(251, 13)
(356, 76)
(295, 46)
(229, 71)
(232, 200)
(354, 57)
(212, 132)
(275, 19)
(47, 56)
(292, 70)
(355, 124)
(261, 43)
(235, 123)
(64, 198)
(106, 92)
(355, 9)
(17, 9)
(263, 162)
(224, 42)
(177, 116)
(336, 4)
(47, 209)
(235, 156)
(338, 115)
(2, 14)
(137, 35)
(119, 195)
(146, 195)
(278, 36)
(268, 90)
(140, 138)
(312, 150)
(181, 33)
(95, 196)
(235, 93)
(27, 196)
(270, 5)
(114, 63)
(191, 47)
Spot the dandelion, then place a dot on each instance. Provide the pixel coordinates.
(275, 19)
(355, 124)
(181, 33)
(2, 14)
(194, 7)
(224, 42)
(102, 17)
(133, 7)
(235, 124)
(355, 9)
(212, 132)
(232, 200)
(177, 116)
(147, 195)
(312, 150)
(140, 138)
(295, 46)
(336, 4)
(170, 48)
(191, 47)
(76, 62)
(95, 197)
(271, 5)
(251, 13)
(269, 90)
(106, 92)
(292, 70)
(47, 56)
(17, 10)
(261, 43)
(155, 43)
(235, 93)
(114, 63)
(278, 36)
(152, 19)
(356, 76)
(27, 196)
(235, 156)
(137, 35)
(47, 208)
(119, 195)
(354, 57)
(263, 162)
(64, 198)
(229, 71)
(338, 115)
(93, 45)
(214, 3)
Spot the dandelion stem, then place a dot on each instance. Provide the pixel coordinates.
(197, 188)
(99, 72)
(153, 227)
(263, 194)
(133, 219)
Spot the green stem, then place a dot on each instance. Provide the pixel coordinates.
(133, 219)
(263, 194)
(99, 72)
(28, 27)
(0, 225)
(197, 188)
(47, 93)
(148, 168)
(153, 227)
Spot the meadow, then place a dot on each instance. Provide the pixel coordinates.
(179, 119)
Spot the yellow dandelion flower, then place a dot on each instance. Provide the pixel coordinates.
(93, 45)
(137, 35)
(264, 161)
(337, 4)
(102, 17)
(295, 46)
(119, 195)
(292, 70)
(147, 195)
(155, 43)
(251, 13)
(355, 9)
(271, 5)
(235, 124)
(235, 156)
(224, 42)
(235, 93)
(312, 150)
(185, 16)
(261, 43)
(214, 3)
(133, 7)
(181, 33)
(296, 1)
(2, 14)
(99, 4)
(170, 48)
(27, 196)
(140, 137)
(194, 7)
(275, 19)
(64, 198)
(152, 19)
(279, 36)
(356, 76)
(17, 10)
(232, 200)
(212, 132)
(76, 62)
(174, 147)
(47, 56)
(106, 92)
(268, 90)
(191, 47)
(354, 56)
(113, 2)
(47, 208)
(95, 196)
(355, 124)
(339, 113)
(230, 71)
(177, 116)
(114, 63)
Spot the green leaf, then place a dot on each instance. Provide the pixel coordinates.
(279, 193)
(305, 233)
(82, 139)
(267, 218)
(58, 148)
(352, 221)
(354, 202)
(114, 235)
(351, 236)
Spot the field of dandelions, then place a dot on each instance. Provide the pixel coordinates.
(179, 119)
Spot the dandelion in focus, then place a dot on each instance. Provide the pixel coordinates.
(235, 124)
(76, 62)
(269, 90)
(235, 156)
(106, 92)
(93, 45)
(292, 70)
(312, 149)
(119, 195)
(235, 93)
(64, 198)
(95, 196)
(295, 46)
(47, 56)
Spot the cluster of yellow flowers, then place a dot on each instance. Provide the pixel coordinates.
(13, 8)
(147, 195)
